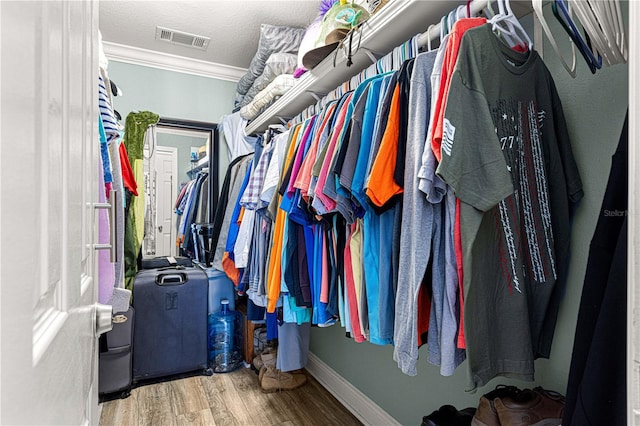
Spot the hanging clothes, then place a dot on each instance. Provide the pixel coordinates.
(135, 128)
(597, 386)
(504, 130)
(188, 206)
(106, 271)
(357, 222)
(238, 144)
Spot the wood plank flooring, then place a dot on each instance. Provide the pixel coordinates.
(228, 399)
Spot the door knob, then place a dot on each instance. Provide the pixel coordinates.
(160, 228)
(104, 318)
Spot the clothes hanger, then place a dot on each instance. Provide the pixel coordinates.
(614, 29)
(571, 69)
(618, 24)
(416, 45)
(513, 26)
(592, 28)
(623, 37)
(597, 20)
(562, 15)
(461, 10)
(451, 20)
(429, 38)
(488, 11)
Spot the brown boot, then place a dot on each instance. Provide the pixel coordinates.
(268, 356)
(267, 360)
(274, 380)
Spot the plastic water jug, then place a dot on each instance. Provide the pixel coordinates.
(225, 339)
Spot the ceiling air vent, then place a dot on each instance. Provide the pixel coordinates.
(182, 38)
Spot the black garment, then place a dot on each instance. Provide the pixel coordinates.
(405, 86)
(296, 272)
(340, 227)
(403, 76)
(596, 391)
(332, 306)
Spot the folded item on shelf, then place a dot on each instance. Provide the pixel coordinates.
(277, 64)
(272, 39)
(277, 87)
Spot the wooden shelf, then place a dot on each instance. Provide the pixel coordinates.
(395, 23)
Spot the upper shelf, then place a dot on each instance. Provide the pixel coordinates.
(395, 23)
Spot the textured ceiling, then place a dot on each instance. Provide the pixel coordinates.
(233, 26)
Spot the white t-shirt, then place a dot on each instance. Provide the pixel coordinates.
(238, 144)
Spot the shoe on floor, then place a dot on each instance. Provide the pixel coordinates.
(486, 414)
(536, 407)
(274, 380)
(448, 415)
(268, 357)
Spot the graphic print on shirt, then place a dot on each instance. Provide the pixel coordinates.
(526, 244)
(448, 134)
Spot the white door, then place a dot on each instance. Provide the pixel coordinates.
(48, 183)
(166, 163)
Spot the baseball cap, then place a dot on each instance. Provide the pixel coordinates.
(335, 25)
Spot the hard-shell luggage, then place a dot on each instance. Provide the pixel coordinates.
(115, 359)
(171, 327)
(165, 262)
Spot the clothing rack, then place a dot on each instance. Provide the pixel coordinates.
(434, 31)
(394, 59)
(384, 30)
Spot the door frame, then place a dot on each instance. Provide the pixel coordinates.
(174, 191)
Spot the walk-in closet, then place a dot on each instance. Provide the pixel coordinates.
(319, 212)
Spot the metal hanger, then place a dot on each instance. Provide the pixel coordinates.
(571, 69)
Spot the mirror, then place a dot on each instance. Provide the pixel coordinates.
(181, 154)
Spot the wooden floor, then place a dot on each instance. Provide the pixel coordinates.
(226, 399)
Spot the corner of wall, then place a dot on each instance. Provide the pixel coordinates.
(367, 411)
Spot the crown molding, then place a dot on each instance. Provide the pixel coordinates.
(149, 58)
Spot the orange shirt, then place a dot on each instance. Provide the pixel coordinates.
(274, 276)
(382, 185)
(448, 64)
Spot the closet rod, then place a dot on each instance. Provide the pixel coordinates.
(434, 31)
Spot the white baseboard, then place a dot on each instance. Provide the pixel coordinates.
(367, 411)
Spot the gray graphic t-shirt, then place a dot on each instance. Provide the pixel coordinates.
(506, 154)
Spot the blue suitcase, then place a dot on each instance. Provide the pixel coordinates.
(170, 335)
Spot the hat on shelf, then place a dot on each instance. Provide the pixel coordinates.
(335, 25)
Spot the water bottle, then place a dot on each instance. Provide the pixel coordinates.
(225, 338)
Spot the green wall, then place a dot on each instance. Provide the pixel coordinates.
(171, 94)
(595, 107)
